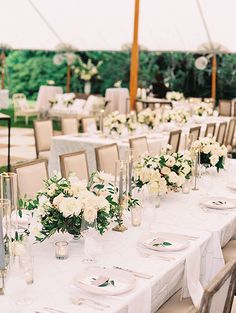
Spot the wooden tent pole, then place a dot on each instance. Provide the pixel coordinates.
(68, 79)
(3, 57)
(134, 59)
(213, 77)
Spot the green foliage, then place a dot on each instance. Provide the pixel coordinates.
(27, 70)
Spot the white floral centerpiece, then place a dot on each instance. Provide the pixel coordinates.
(164, 172)
(211, 152)
(87, 71)
(174, 95)
(179, 116)
(148, 117)
(115, 123)
(63, 203)
(203, 109)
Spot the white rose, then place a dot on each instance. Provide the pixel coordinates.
(43, 199)
(173, 177)
(102, 203)
(165, 170)
(214, 159)
(70, 206)
(186, 169)
(171, 161)
(57, 200)
(206, 149)
(90, 214)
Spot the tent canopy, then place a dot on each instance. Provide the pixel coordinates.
(165, 25)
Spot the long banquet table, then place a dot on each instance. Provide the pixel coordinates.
(178, 213)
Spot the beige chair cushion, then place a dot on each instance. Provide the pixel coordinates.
(76, 164)
(233, 310)
(30, 179)
(44, 133)
(229, 251)
(174, 305)
(139, 145)
(69, 126)
(44, 155)
(107, 158)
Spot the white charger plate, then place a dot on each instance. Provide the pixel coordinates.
(123, 281)
(178, 242)
(219, 203)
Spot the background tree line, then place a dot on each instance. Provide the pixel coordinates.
(27, 70)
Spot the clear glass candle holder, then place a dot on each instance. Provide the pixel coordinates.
(61, 250)
(186, 186)
(136, 215)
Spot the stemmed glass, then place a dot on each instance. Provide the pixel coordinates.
(91, 246)
(16, 284)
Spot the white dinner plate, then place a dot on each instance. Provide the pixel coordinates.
(91, 278)
(232, 186)
(162, 241)
(219, 203)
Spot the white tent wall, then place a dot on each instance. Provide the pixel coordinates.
(165, 25)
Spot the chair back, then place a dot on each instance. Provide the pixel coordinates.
(106, 158)
(30, 177)
(75, 163)
(19, 101)
(69, 126)
(210, 129)
(194, 132)
(220, 138)
(230, 132)
(218, 296)
(43, 132)
(225, 107)
(139, 146)
(89, 124)
(174, 140)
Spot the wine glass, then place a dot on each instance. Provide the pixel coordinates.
(16, 284)
(91, 245)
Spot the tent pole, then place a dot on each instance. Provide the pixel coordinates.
(68, 79)
(134, 59)
(213, 77)
(2, 70)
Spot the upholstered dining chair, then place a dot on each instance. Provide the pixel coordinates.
(139, 146)
(174, 140)
(76, 163)
(225, 107)
(43, 133)
(88, 124)
(210, 129)
(229, 140)
(106, 158)
(229, 251)
(220, 138)
(217, 297)
(194, 132)
(69, 126)
(31, 176)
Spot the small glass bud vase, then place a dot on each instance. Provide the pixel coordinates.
(136, 215)
(61, 250)
(186, 186)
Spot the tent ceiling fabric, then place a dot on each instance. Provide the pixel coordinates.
(165, 25)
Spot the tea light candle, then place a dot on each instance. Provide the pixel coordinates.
(136, 216)
(186, 186)
(61, 250)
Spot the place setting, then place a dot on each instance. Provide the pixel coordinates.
(218, 205)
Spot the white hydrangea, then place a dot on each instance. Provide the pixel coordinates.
(70, 206)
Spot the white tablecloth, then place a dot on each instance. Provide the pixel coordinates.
(178, 213)
(118, 100)
(4, 98)
(45, 94)
(72, 143)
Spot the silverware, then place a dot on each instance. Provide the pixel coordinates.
(52, 310)
(79, 301)
(138, 274)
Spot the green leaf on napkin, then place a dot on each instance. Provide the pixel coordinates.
(162, 244)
